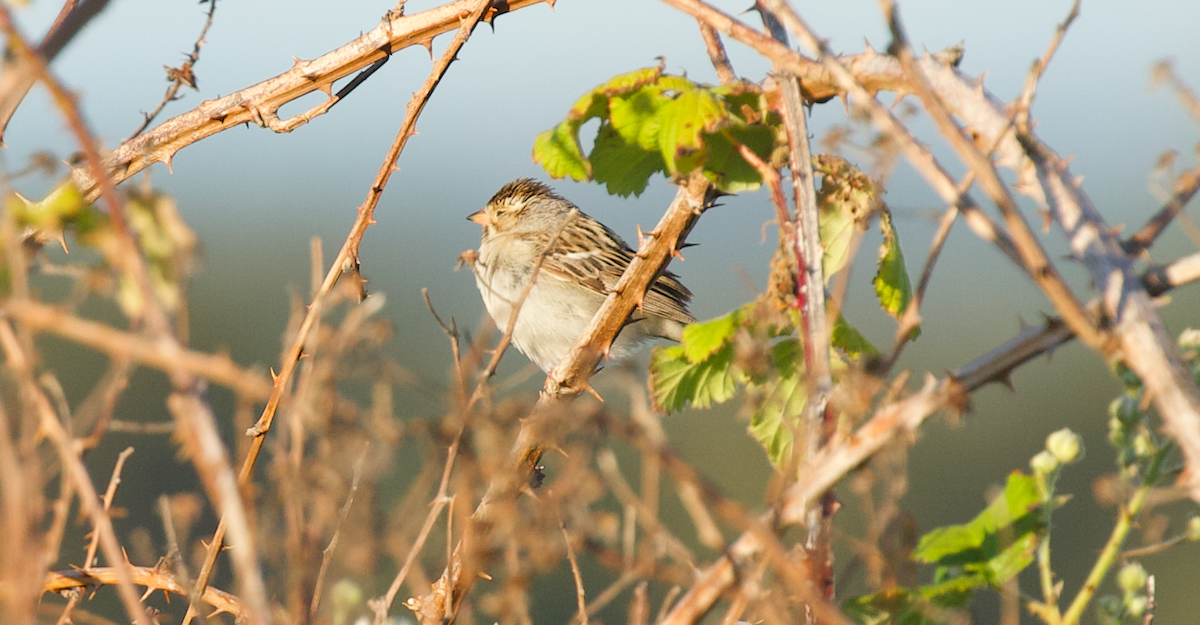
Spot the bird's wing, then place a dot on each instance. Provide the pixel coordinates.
(577, 257)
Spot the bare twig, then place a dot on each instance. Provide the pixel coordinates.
(109, 493)
(174, 554)
(327, 555)
(58, 581)
(347, 258)
(15, 82)
(606, 462)
(258, 104)
(90, 558)
(716, 52)
(1039, 266)
(1024, 103)
(383, 604)
(219, 369)
(1164, 72)
(73, 465)
(581, 613)
(182, 75)
(1185, 190)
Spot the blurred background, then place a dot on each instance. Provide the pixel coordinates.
(256, 198)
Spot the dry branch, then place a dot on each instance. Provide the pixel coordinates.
(59, 581)
(258, 104)
(218, 369)
(1141, 340)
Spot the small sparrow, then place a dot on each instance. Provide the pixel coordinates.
(580, 269)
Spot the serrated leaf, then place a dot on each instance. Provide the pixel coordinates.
(681, 124)
(848, 339)
(625, 83)
(726, 168)
(998, 543)
(624, 169)
(634, 117)
(701, 340)
(1012, 560)
(676, 382)
(558, 152)
(837, 227)
(1020, 498)
(592, 104)
(948, 540)
(846, 199)
(778, 402)
(674, 85)
(892, 285)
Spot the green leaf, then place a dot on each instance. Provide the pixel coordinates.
(558, 152)
(635, 117)
(837, 224)
(624, 169)
(896, 606)
(681, 124)
(625, 83)
(701, 340)
(1012, 560)
(725, 166)
(676, 382)
(847, 198)
(892, 286)
(847, 338)
(948, 540)
(998, 543)
(778, 402)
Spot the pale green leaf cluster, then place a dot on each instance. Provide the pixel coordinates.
(985, 552)
(651, 122)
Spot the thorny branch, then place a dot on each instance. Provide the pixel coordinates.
(182, 75)
(258, 104)
(198, 428)
(15, 80)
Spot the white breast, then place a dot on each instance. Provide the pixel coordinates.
(554, 314)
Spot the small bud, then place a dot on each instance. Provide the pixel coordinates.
(1189, 338)
(1136, 606)
(1109, 609)
(1125, 410)
(1044, 463)
(1066, 446)
(1132, 578)
(1143, 445)
(1193, 528)
(346, 595)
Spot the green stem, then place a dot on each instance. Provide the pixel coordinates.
(1045, 572)
(1109, 554)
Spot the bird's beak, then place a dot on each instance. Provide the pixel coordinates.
(480, 218)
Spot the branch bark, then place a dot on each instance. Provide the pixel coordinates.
(258, 104)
